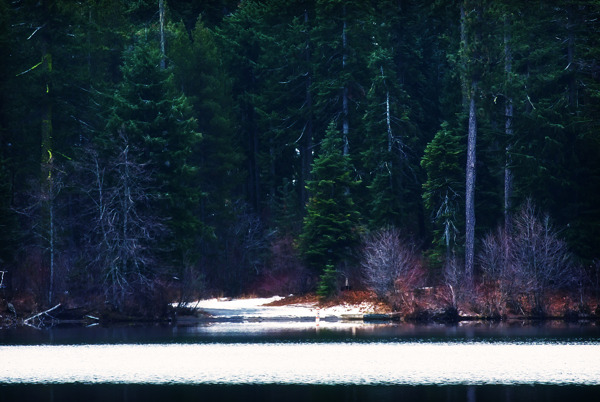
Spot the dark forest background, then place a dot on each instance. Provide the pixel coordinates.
(160, 150)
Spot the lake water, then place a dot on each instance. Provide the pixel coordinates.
(292, 361)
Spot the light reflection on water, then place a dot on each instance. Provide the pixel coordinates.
(307, 332)
(334, 363)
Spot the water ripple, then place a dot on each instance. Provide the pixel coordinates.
(284, 363)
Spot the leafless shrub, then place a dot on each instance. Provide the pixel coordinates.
(542, 259)
(494, 257)
(391, 265)
(498, 268)
(528, 261)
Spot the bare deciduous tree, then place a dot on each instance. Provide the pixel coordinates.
(529, 260)
(391, 265)
(542, 258)
(124, 228)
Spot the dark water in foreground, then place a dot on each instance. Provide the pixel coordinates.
(300, 362)
(293, 393)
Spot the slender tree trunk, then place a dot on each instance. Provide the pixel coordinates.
(571, 56)
(256, 172)
(471, 79)
(390, 134)
(89, 43)
(122, 266)
(99, 175)
(47, 179)
(161, 12)
(469, 88)
(508, 127)
(307, 146)
(463, 41)
(470, 186)
(345, 122)
(388, 120)
(272, 156)
(307, 139)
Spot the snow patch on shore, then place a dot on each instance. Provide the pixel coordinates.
(257, 308)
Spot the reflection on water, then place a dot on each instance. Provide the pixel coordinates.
(301, 363)
(303, 331)
(295, 393)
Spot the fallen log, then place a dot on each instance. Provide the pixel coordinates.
(40, 317)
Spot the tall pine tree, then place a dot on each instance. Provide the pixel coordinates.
(331, 226)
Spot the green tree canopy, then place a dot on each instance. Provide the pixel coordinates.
(331, 225)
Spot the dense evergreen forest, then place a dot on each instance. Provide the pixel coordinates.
(159, 150)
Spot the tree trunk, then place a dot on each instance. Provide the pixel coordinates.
(388, 120)
(307, 139)
(252, 144)
(463, 41)
(390, 135)
(573, 101)
(126, 208)
(47, 161)
(161, 12)
(272, 156)
(470, 187)
(52, 245)
(345, 122)
(508, 128)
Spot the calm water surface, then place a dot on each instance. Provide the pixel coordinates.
(302, 361)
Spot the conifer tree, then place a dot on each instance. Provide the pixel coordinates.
(281, 96)
(517, 87)
(157, 119)
(552, 137)
(240, 34)
(274, 95)
(199, 71)
(443, 191)
(342, 39)
(390, 139)
(331, 226)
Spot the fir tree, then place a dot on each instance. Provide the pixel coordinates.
(443, 190)
(331, 226)
(390, 140)
(198, 69)
(157, 119)
(342, 37)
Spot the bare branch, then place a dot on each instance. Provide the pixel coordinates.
(37, 29)
(391, 265)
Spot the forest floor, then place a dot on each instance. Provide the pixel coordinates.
(435, 304)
